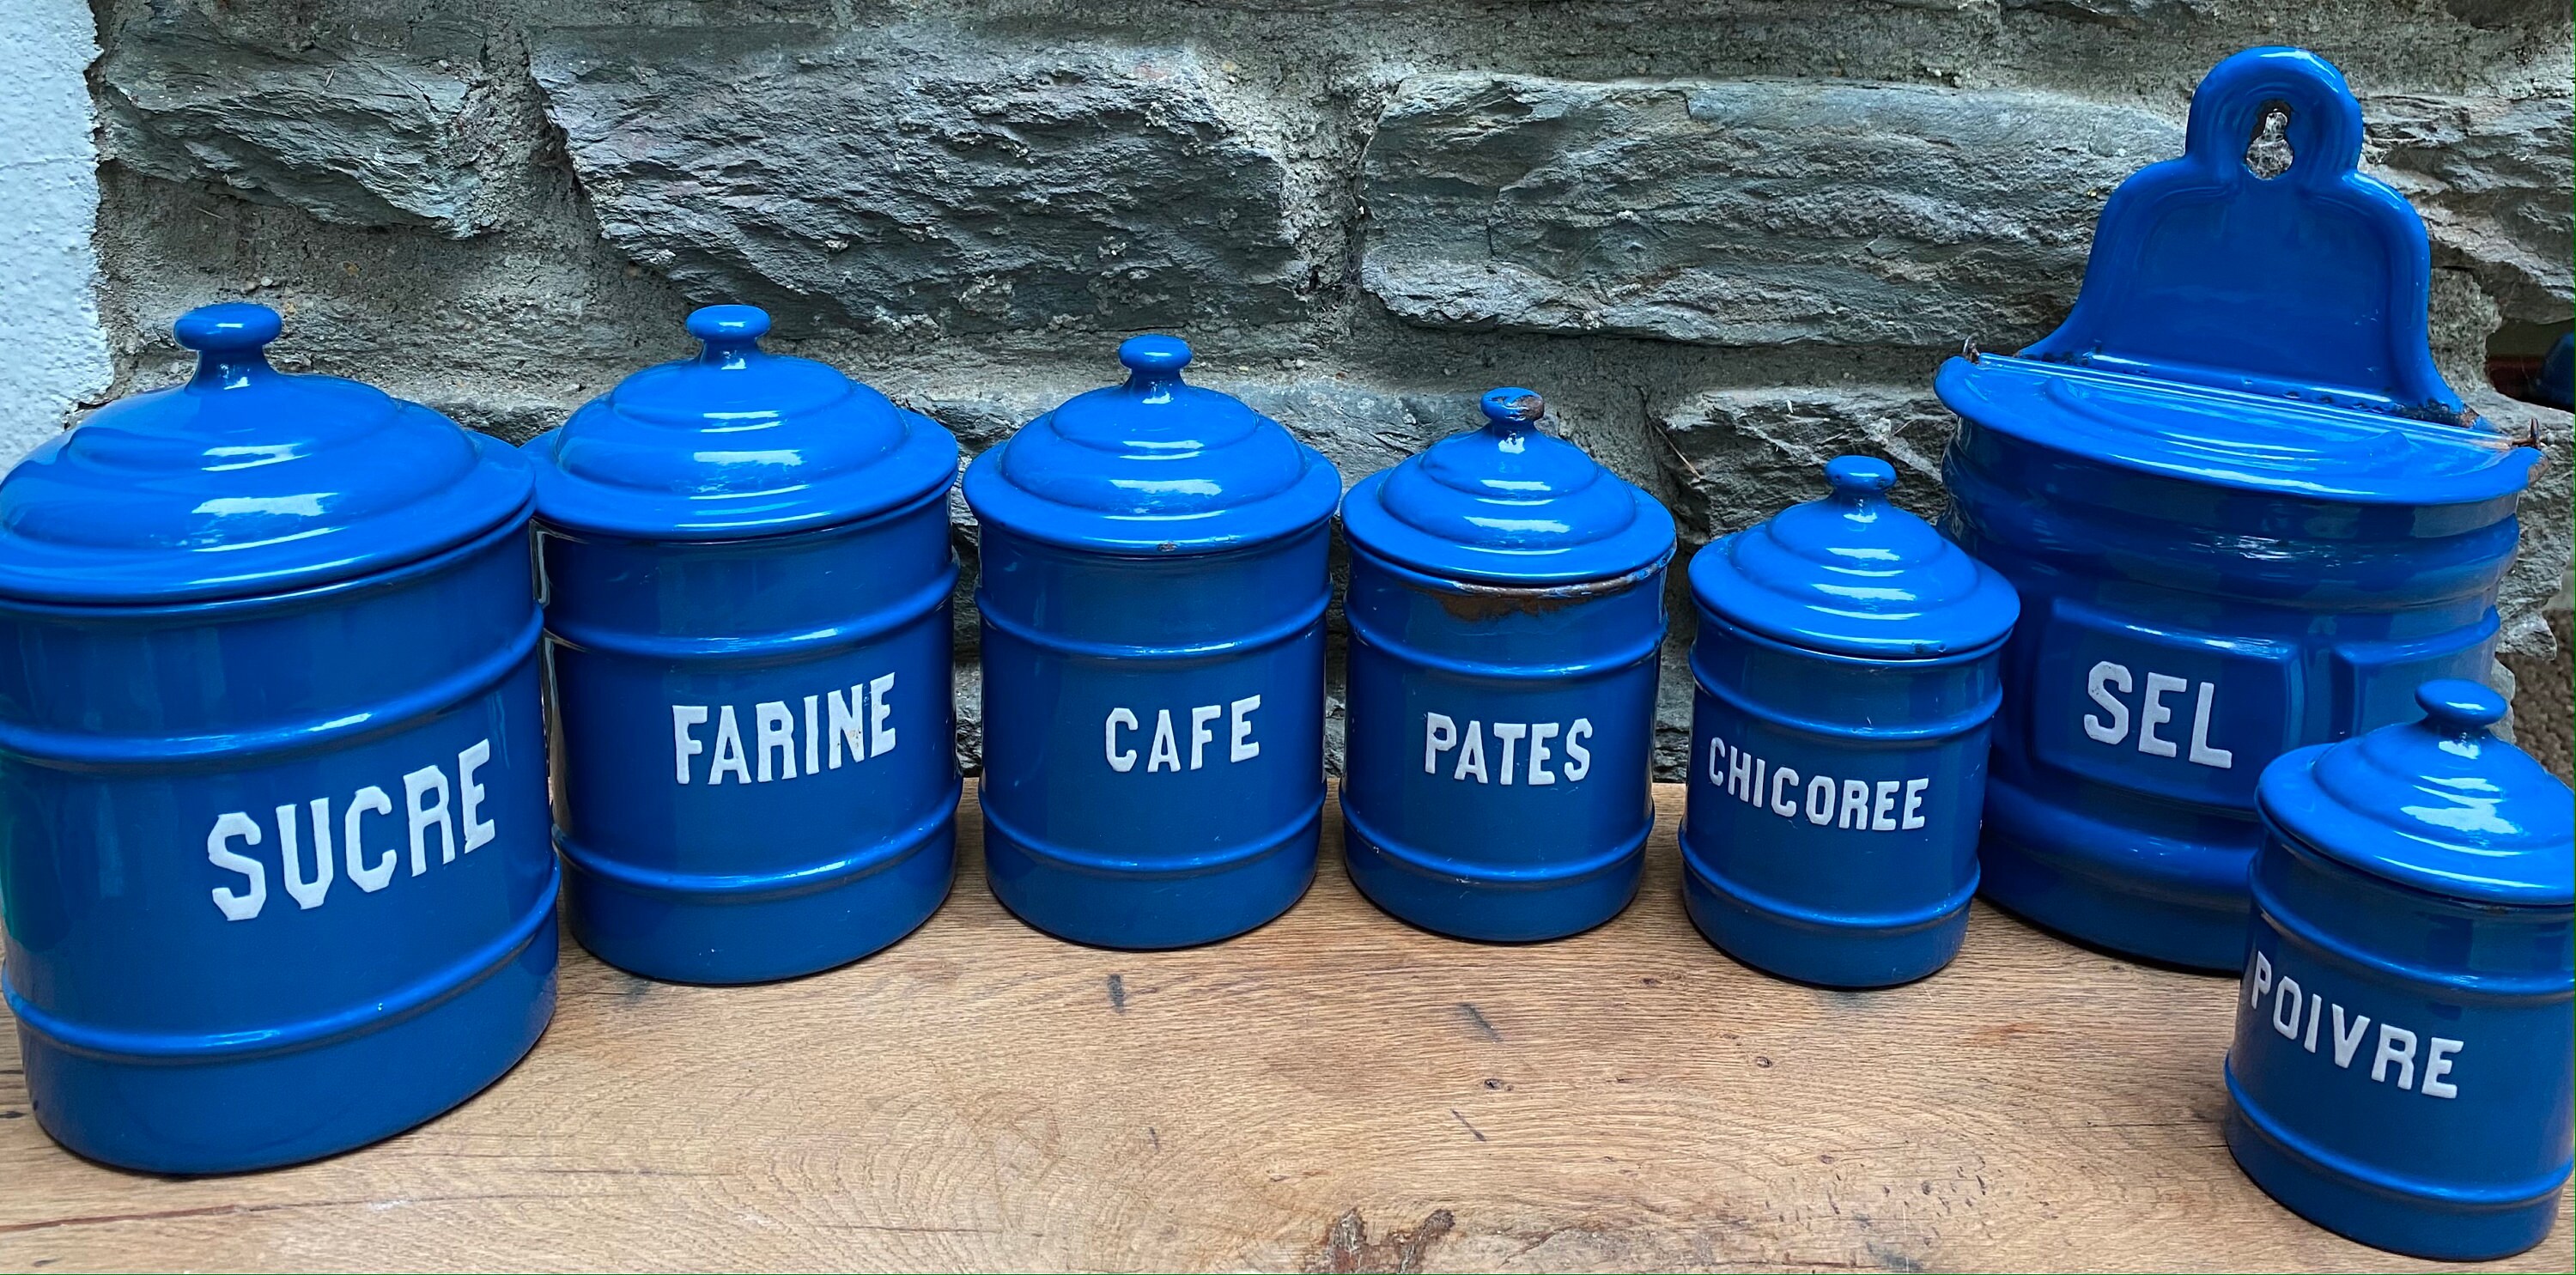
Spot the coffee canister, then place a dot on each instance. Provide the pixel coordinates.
(272, 768)
(747, 583)
(1153, 596)
(1506, 609)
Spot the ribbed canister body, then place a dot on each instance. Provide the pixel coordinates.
(2401, 1063)
(1153, 734)
(1500, 748)
(756, 772)
(276, 866)
(1831, 826)
(2176, 637)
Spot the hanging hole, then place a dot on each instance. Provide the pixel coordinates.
(2268, 155)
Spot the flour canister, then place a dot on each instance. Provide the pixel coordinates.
(1153, 597)
(2243, 510)
(747, 587)
(2403, 1033)
(1506, 610)
(272, 770)
(1847, 666)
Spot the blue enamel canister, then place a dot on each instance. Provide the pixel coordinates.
(747, 576)
(1847, 664)
(272, 767)
(1153, 596)
(1506, 609)
(2403, 1038)
(2242, 509)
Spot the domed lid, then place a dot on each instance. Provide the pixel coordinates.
(1153, 466)
(736, 442)
(2258, 333)
(1507, 504)
(2439, 804)
(1852, 574)
(245, 480)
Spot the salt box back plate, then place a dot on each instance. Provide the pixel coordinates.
(734, 443)
(1507, 504)
(2263, 334)
(245, 480)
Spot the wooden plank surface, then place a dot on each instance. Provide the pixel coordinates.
(1335, 1092)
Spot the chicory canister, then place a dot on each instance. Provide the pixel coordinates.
(1506, 610)
(2243, 510)
(1847, 663)
(2403, 1035)
(1153, 594)
(272, 769)
(747, 581)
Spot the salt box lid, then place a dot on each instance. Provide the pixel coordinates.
(734, 443)
(245, 480)
(1154, 465)
(2251, 332)
(1508, 504)
(2439, 804)
(1852, 574)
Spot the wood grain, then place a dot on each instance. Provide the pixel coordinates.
(1335, 1092)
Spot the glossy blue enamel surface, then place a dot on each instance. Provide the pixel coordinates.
(747, 587)
(1153, 596)
(243, 480)
(1501, 730)
(1847, 667)
(275, 863)
(1509, 505)
(2404, 1039)
(2242, 511)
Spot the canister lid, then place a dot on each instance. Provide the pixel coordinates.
(1507, 504)
(2257, 333)
(245, 480)
(2440, 804)
(1153, 466)
(1852, 574)
(734, 443)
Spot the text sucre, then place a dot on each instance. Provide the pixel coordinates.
(431, 804)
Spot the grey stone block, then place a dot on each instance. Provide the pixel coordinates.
(1747, 212)
(921, 182)
(363, 139)
(2492, 178)
(1745, 454)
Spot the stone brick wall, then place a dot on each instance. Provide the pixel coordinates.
(1727, 239)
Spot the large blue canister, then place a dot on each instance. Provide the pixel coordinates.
(746, 575)
(1847, 663)
(2243, 511)
(272, 766)
(2403, 1034)
(1153, 597)
(1506, 609)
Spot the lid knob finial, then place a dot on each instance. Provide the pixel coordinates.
(1857, 478)
(2458, 707)
(1512, 410)
(227, 337)
(1154, 357)
(729, 331)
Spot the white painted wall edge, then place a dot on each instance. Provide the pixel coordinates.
(57, 354)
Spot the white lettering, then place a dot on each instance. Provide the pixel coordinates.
(1578, 759)
(1882, 806)
(1242, 746)
(1439, 735)
(2154, 713)
(366, 801)
(1200, 735)
(2437, 1064)
(684, 745)
(729, 759)
(2344, 1045)
(1540, 733)
(776, 729)
(813, 735)
(2097, 684)
(469, 798)
(2201, 752)
(2396, 1045)
(843, 725)
(237, 905)
(1855, 804)
(1167, 751)
(2286, 1004)
(880, 715)
(1914, 790)
(1471, 755)
(1510, 733)
(1121, 760)
(424, 816)
(307, 894)
(1820, 800)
